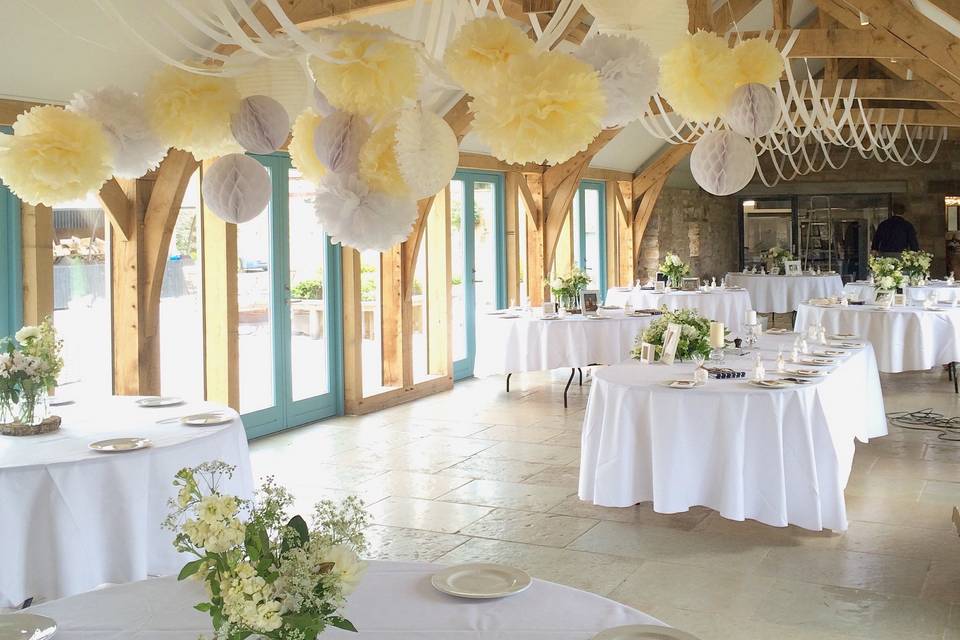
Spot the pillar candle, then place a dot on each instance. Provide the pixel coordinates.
(751, 317)
(716, 335)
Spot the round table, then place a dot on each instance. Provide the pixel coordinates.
(866, 292)
(784, 294)
(905, 338)
(395, 601)
(728, 306)
(779, 456)
(72, 519)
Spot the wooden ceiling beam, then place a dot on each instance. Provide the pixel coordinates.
(782, 9)
(539, 6)
(951, 7)
(731, 12)
(658, 169)
(840, 43)
(701, 17)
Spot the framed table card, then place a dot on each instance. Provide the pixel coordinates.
(690, 284)
(671, 338)
(591, 301)
(792, 268)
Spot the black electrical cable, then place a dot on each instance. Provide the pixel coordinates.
(927, 420)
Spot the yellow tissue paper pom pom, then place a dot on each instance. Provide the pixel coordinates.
(479, 47)
(698, 76)
(192, 112)
(378, 162)
(758, 61)
(303, 154)
(373, 74)
(55, 155)
(544, 107)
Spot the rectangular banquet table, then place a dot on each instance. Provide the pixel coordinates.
(780, 456)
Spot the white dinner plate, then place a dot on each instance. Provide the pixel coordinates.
(843, 336)
(829, 353)
(847, 345)
(26, 626)
(644, 632)
(816, 361)
(481, 580)
(681, 384)
(769, 384)
(778, 332)
(119, 445)
(509, 316)
(159, 401)
(496, 313)
(206, 419)
(597, 318)
(55, 401)
(806, 373)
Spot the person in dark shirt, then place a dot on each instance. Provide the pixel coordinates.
(895, 234)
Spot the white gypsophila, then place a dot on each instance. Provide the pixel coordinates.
(27, 333)
(347, 566)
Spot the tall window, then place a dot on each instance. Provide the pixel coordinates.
(589, 233)
(371, 311)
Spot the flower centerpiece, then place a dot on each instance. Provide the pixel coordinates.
(915, 266)
(887, 277)
(775, 257)
(694, 335)
(674, 268)
(567, 289)
(29, 366)
(267, 575)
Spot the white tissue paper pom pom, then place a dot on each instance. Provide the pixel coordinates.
(723, 162)
(337, 141)
(628, 75)
(320, 103)
(236, 188)
(357, 217)
(658, 23)
(427, 151)
(261, 125)
(123, 117)
(754, 110)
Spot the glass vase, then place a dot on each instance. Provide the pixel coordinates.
(7, 409)
(33, 407)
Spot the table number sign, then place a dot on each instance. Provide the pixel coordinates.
(792, 268)
(671, 338)
(690, 284)
(648, 353)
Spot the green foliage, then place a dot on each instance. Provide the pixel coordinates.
(694, 336)
(308, 290)
(568, 288)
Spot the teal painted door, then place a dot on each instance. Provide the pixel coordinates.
(11, 281)
(478, 254)
(590, 233)
(290, 301)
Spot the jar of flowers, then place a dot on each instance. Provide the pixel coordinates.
(887, 278)
(567, 289)
(694, 335)
(775, 257)
(29, 366)
(915, 266)
(674, 268)
(267, 575)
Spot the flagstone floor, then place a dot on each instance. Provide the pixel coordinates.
(479, 474)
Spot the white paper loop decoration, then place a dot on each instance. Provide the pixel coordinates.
(427, 151)
(337, 141)
(236, 188)
(357, 217)
(658, 23)
(123, 117)
(723, 162)
(261, 125)
(753, 111)
(628, 75)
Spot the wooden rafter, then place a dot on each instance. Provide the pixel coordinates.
(701, 18)
(644, 210)
(781, 13)
(658, 168)
(118, 207)
(732, 12)
(840, 43)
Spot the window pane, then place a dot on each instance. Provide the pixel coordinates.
(522, 261)
(577, 226)
(420, 345)
(458, 258)
(591, 225)
(81, 297)
(181, 304)
(485, 243)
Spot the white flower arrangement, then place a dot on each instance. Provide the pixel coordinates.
(269, 576)
(887, 276)
(776, 256)
(674, 268)
(29, 365)
(915, 265)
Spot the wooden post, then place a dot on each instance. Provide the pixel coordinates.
(439, 289)
(352, 331)
(511, 224)
(391, 316)
(37, 257)
(613, 234)
(627, 267)
(531, 190)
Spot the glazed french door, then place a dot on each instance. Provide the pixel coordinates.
(289, 308)
(590, 233)
(478, 254)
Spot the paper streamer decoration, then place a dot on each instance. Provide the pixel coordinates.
(123, 116)
(236, 188)
(55, 155)
(355, 216)
(723, 162)
(660, 24)
(338, 139)
(698, 76)
(480, 48)
(628, 75)
(753, 111)
(261, 125)
(427, 151)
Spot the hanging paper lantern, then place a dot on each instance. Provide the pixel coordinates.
(303, 153)
(283, 79)
(123, 116)
(698, 77)
(55, 155)
(373, 72)
(378, 163)
(541, 108)
(236, 188)
(192, 112)
(338, 139)
(628, 75)
(660, 24)
(758, 61)
(356, 216)
(427, 151)
(723, 162)
(480, 47)
(753, 111)
(261, 125)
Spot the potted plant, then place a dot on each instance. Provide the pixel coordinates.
(674, 268)
(29, 366)
(567, 289)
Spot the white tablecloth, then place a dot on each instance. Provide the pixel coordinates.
(780, 456)
(722, 305)
(783, 294)
(515, 345)
(905, 338)
(916, 295)
(395, 601)
(72, 519)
